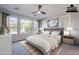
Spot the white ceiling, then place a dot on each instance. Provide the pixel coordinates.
(27, 9)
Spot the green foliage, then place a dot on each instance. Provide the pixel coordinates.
(29, 27)
(1, 30)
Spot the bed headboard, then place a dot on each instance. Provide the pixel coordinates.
(56, 29)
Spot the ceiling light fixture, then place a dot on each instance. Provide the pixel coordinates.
(39, 12)
(71, 8)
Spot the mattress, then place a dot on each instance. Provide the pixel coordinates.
(44, 42)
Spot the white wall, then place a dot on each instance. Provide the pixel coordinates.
(5, 42)
(0, 19)
(65, 21)
(5, 45)
(75, 25)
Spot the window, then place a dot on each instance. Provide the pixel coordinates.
(12, 25)
(28, 26)
(25, 26)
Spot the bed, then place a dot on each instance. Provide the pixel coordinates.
(46, 41)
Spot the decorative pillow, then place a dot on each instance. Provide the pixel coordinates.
(55, 33)
(46, 32)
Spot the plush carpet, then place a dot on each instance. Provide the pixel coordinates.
(69, 50)
(35, 51)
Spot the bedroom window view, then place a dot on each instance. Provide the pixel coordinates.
(28, 26)
(12, 25)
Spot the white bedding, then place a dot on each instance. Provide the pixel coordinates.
(44, 42)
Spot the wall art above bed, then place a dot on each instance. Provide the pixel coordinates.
(53, 23)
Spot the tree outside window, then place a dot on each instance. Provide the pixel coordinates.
(28, 26)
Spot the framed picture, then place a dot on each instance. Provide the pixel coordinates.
(53, 23)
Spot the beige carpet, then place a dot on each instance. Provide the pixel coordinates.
(35, 51)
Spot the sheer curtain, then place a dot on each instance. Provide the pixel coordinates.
(4, 22)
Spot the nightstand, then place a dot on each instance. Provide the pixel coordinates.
(68, 40)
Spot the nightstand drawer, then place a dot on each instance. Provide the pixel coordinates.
(68, 41)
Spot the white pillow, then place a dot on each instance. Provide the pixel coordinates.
(55, 33)
(46, 32)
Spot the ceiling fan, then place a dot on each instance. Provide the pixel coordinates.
(39, 10)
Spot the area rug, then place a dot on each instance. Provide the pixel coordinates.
(35, 51)
(17, 49)
(69, 50)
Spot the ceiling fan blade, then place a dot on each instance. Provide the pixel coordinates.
(43, 12)
(39, 11)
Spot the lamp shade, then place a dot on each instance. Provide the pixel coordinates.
(69, 28)
(41, 29)
(39, 12)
